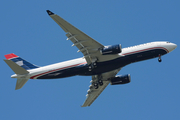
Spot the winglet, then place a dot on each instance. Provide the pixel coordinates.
(49, 12)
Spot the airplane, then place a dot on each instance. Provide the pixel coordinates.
(99, 61)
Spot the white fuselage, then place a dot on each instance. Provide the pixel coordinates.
(35, 73)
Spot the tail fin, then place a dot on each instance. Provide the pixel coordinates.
(20, 67)
(19, 72)
(16, 68)
(21, 62)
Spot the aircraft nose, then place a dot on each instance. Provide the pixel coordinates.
(175, 46)
(171, 47)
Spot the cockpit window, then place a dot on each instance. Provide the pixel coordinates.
(167, 42)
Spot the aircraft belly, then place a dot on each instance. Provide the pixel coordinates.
(145, 55)
(120, 62)
(64, 73)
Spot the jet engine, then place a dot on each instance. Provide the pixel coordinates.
(111, 49)
(122, 79)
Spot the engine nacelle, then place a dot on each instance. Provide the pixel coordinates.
(112, 49)
(122, 79)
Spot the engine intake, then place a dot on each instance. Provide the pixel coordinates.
(111, 49)
(123, 79)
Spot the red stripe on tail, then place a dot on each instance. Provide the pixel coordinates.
(10, 56)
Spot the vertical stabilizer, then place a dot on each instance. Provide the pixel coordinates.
(15, 67)
(21, 62)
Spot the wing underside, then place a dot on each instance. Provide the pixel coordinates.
(87, 45)
(94, 93)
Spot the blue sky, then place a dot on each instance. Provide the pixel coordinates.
(29, 32)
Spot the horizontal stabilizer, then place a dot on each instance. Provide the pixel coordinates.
(20, 83)
(16, 68)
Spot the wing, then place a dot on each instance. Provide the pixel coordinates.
(94, 93)
(88, 46)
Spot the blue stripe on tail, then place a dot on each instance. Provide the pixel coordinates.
(23, 63)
